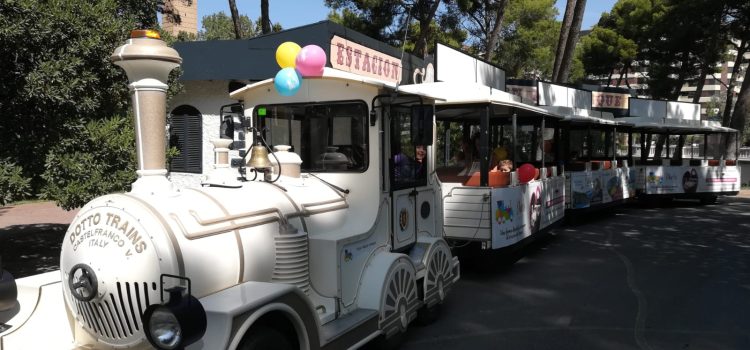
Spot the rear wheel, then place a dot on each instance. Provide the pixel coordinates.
(265, 338)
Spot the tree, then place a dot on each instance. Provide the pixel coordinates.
(529, 34)
(219, 26)
(604, 49)
(235, 19)
(57, 78)
(99, 161)
(567, 23)
(565, 62)
(265, 19)
(56, 73)
(738, 24)
(411, 24)
(485, 22)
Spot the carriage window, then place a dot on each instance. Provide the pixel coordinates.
(578, 144)
(329, 137)
(408, 161)
(527, 145)
(598, 143)
(548, 146)
(621, 144)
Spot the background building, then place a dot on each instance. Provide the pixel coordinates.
(714, 92)
(188, 13)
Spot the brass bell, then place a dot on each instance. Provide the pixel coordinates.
(259, 158)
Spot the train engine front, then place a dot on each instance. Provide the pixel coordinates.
(125, 255)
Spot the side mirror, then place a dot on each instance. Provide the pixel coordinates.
(422, 117)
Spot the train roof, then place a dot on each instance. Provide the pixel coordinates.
(585, 116)
(677, 126)
(331, 73)
(455, 95)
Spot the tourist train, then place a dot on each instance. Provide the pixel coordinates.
(339, 224)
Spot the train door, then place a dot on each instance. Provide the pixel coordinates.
(410, 134)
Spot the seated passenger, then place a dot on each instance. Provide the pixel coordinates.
(505, 166)
(406, 169)
(499, 154)
(471, 150)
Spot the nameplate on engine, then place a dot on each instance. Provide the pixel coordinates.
(104, 229)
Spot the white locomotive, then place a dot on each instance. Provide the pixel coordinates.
(330, 248)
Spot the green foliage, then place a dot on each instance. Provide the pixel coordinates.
(530, 34)
(219, 26)
(13, 185)
(387, 21)
(56, 73)
(100, 160)
(604, 49)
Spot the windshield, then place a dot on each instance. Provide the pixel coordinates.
(329, 137)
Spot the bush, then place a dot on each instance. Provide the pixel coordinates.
(13, 185)
(100, 160)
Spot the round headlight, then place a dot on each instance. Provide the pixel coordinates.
(175, 324)
(164, 328)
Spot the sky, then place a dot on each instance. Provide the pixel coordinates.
(294, 13)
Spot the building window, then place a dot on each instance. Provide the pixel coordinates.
(186, 134)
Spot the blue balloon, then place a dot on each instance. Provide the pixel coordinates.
(287, 81)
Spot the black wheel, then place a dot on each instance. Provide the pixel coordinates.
(709, 200)
(428, 315)
(265, 338)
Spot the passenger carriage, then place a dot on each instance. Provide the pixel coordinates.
(677, 155)
(486, 202)
(595, 153)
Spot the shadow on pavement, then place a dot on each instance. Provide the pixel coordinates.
(31, 249)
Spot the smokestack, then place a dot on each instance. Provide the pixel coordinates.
(147, 60)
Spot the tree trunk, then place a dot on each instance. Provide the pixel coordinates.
(420, 46)
(563, 39)
(727, 117)
(495, 34)
(570, 45)
(235, 19)
(701, 83)
(627, 69)
(742, 108)
(619, 79)
(265, 20)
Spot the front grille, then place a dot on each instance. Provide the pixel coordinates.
(292, 265)
(117, 316)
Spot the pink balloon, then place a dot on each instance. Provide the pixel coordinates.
(310, 61)
(526, 173)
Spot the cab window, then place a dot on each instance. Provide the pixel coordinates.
(329, 137)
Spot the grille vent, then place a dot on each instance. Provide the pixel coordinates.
(117, 316)
(292, 266)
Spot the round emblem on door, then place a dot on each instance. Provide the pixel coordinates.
(403, 219)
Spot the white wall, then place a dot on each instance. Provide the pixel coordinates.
(207, 97)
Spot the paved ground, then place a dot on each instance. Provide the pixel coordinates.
(674, 277)
(31, 236)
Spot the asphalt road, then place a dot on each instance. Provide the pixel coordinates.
(674, 277)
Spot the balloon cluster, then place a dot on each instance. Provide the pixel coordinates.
(297, 62)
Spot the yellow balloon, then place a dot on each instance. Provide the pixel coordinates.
(286, 54)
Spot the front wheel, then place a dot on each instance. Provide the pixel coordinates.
(265, 338)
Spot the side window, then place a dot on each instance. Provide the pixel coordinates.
(408, 161)
(186, 134)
